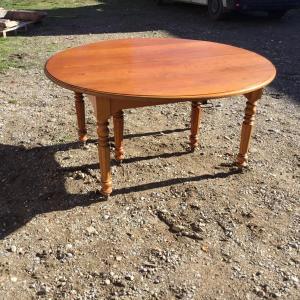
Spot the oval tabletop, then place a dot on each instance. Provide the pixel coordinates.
(160, 68)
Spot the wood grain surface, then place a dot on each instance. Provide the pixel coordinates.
(160, 69)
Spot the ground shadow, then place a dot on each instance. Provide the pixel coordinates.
(126, 161)
(33, 183)
(174, 181)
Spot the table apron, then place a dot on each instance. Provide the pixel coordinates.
(117, 105)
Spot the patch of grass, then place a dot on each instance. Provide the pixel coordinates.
(45, 4)
(10, 54)
(13, 49)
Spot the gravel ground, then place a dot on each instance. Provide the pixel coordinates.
(180, 225)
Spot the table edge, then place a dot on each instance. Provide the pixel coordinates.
(159, 97)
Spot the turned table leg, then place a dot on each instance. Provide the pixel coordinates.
(247, 127)
(118, 119)
(80, 111)
(104, 157)
(195, 123)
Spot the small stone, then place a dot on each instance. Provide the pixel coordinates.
(88, 181)
(248, 296)
(205, 248)
(295, 279)
(32, 286)
(91, 230)
(177, 228)
(13, 279)
(118, 258)
(253, 150)
(13, 249)
(106, 217)
(129, 277)
(119, 283)
(259, 292)
(276, 295)
(42, 291)
(293, 245)
(79, 175)
(274, 130)
(69, 248)
(107, 282)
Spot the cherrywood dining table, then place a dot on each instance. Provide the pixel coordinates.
(132, 73)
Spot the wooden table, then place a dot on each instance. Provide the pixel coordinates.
(132, 73)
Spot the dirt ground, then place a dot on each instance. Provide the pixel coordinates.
(179, 225)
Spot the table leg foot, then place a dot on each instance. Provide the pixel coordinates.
(118, 119)
(247, 127)
(104, 157)
(105, 194)
(195, 123)
(80, 111)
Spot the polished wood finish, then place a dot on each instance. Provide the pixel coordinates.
(118, 119)
(247, 127)
(133, 73)
(80, 112)
(102, 113)
(195, 122)
(160, 69)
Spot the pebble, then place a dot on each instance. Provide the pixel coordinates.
(13, 249)
(295, 279)
(118, 258)
(13, 279)
(143, 270)
(129, 277)
(91, 230)
(276, 295)
(259, 292)
(79, 175)
(177, 228)
(42, 291)
(107, 282)
(32, 285)
(293, 245)
(69, 247)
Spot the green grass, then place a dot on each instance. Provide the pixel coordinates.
(44, 4)
(10, 54)
(14, 48)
